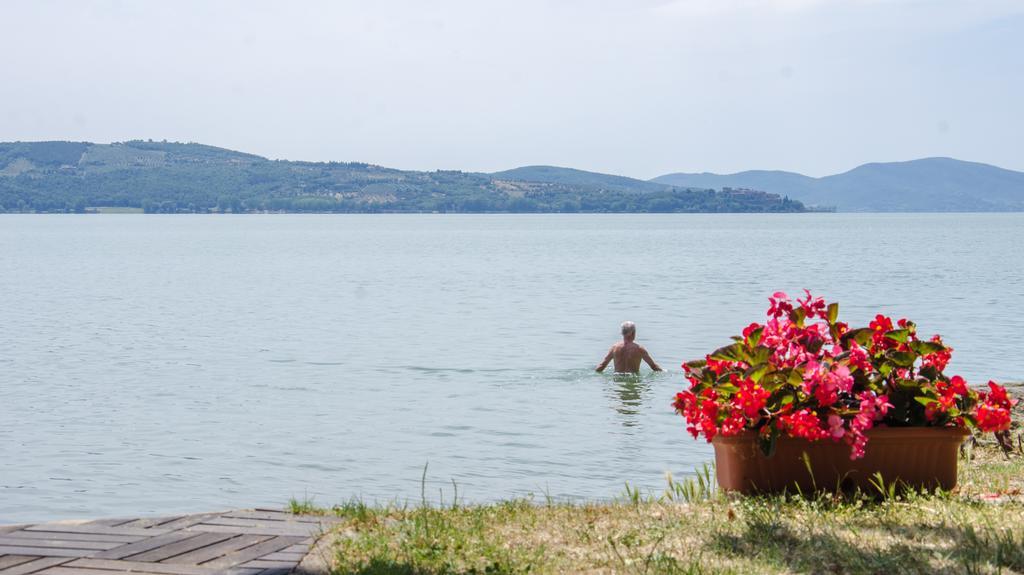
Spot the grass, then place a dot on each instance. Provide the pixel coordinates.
(693, 529)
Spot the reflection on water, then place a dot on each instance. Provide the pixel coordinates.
(630, 393)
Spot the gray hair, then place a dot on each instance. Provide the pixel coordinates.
(628, 327)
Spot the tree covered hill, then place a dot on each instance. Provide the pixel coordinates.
(556, 175)
(925, 185)
(171, 177)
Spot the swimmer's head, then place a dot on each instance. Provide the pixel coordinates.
(628, 329)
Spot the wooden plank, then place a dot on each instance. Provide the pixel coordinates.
(269, 515)
(35, 566)
(255, 552)
(135, 566)
(44, 551)
(144, 545)
(284, 556)
(71, 536)
(238, 522)
(111, 521)
(183, 546)
(147, 522)
(61, 570)
(297, 548)
(186, 521)
(9, 528)
(98, 529)
(223, 520)
(220, 549)
(287, 531)
(275, 571)
(265, 564)
(282, 517)
(53, 542)
(12, 560)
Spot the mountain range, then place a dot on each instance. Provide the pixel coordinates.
(189, 177)
(172, 177)
(925, 185)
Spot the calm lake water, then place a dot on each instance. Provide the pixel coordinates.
(165, 364)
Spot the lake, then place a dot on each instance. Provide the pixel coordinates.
(171, 364)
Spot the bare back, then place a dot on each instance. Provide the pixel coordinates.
(627, 356)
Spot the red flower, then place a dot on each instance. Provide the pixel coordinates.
(820, 385)
(804, 423)
(751, 329)
(992, 417)
(751, 399)
(879, 327)
(733, 424)
(997, 396)
(939, 359)
(719, 367)
(959, 386)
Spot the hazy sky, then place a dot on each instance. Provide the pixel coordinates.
(635, 87)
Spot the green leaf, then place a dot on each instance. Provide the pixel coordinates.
(797, 316)
(900, 335)
(760, 355)
(697, 363)
(772, 383)
(756, 373)
(726, 388)
(860, 335)
(833, 313)
(925, 401)
(901, 358)
(767, 444)
(908, 384)
(734, 352)
(926, 347)
(796, 377)
(755, 337)
(885, 369)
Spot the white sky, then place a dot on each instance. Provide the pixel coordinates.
(634, 87)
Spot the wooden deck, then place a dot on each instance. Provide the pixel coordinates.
(254, 542)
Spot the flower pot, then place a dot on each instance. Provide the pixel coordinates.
(917, 457)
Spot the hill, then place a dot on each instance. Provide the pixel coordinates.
(927, 185)
(570, 176)
(172, 177)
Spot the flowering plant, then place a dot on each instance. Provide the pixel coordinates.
(805, 374)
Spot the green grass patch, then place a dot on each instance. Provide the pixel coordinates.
(692, 528)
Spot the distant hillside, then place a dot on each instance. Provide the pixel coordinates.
(570, 176)
(171, 177)
(927, 185)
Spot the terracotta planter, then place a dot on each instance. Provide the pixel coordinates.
(920, 457)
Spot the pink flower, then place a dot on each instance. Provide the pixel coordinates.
(813, 306)
(835, 427)
(780, 304)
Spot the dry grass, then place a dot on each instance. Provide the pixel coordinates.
(692, 529)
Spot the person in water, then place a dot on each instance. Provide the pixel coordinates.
(627, 353)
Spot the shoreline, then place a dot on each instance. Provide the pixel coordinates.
(689, 528)
(692, 528)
